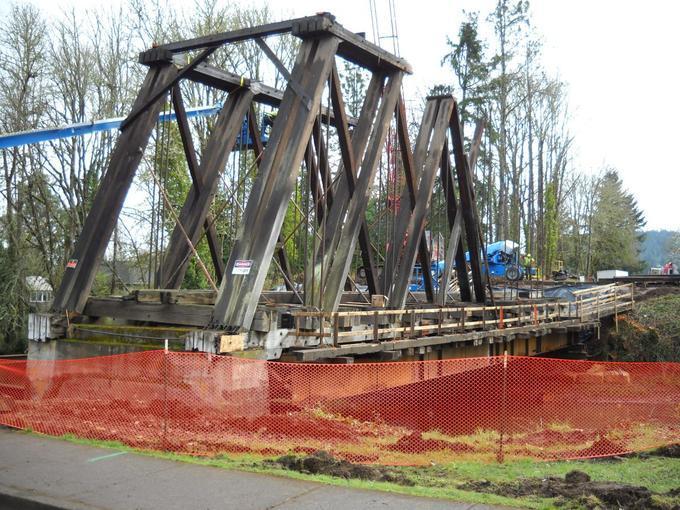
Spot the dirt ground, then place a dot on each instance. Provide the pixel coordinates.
(575, 490)
(642, 294)
(322, 463)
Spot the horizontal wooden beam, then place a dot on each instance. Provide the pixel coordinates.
(160, 313)
(353, 47)
(263, 94)
(232, 36)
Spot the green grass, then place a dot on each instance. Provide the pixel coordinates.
(441, 481)
(656, 473)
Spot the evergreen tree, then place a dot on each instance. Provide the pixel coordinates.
(466, 59)
(617, 225)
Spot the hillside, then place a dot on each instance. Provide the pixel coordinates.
(655, 248)
(652, 331)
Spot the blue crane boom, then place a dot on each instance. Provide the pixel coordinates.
(84, 128)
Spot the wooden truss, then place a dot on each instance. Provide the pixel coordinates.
(293, 140)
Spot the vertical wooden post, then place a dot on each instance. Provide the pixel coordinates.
(336, 325)
(376, 337)
(616, 312)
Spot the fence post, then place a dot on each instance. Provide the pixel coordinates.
(616, 311)
(632, 296)
(375, 327)
(164, 445)
(504, 405)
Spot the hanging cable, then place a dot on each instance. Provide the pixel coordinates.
(152, 230)
(184, 233)
(164, 170)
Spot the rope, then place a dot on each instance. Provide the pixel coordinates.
(184, 233)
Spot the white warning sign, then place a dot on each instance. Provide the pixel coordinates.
(242, 267)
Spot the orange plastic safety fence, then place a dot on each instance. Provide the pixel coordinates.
(389, 413)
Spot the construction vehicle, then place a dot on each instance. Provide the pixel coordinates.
(502, 258)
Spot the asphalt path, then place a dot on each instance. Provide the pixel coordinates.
(43, 473)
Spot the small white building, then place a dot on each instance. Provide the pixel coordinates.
(40, 290)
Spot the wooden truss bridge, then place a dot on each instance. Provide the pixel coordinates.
(324, 309)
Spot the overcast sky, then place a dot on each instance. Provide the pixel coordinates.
(619, 58)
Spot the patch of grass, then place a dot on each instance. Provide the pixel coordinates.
(658, 474)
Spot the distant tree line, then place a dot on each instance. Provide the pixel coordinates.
(528, 187)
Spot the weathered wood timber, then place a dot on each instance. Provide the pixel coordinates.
(197, 204)
(108, 202)
(321, 259)
(197, 180)
(356, 209)
(268, 200)
(427, 157)
(469, 207)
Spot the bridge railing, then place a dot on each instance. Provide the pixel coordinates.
(377, 325)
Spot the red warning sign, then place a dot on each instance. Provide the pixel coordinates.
(242, 267)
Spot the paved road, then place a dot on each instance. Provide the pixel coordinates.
(42, 473)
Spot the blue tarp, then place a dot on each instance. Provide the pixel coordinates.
(565, 292)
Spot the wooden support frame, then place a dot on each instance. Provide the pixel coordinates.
(258, 149)
(346, 193)
(455, 247)
(197, 204)
(239, 293)
(409, 171)
(427, 155)
(468, 206)
(356, 208)
(197, 182)
(455, 217)
(321, 262)
(350, 165)
(352, 47)
(82, 268)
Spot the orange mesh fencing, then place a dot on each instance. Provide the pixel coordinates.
(490, 408)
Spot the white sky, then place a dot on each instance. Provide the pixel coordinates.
(619, 58)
